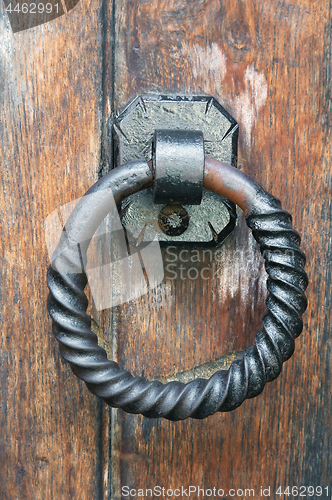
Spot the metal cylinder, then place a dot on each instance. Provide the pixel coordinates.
(178, 162)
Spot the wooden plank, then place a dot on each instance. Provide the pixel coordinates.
(270, 64)
(53, 431)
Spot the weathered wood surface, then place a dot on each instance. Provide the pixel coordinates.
(270, 63)
(52, 431)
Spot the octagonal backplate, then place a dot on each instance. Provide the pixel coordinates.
(214, 219)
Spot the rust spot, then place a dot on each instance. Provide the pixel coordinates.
(206, 370)
(102, 342)
(173, 220)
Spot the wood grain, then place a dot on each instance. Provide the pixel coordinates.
(269, 63)
(53, 432)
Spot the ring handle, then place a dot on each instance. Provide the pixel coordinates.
(227, 389)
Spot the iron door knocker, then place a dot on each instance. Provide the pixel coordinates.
(279, 244)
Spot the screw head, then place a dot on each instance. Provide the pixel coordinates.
(173, 220)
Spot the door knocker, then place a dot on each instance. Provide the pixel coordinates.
(181, 183)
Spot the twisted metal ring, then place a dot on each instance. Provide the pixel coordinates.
(226, 389)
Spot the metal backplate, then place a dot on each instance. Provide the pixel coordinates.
(214, 219)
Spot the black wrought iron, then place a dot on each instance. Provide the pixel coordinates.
(133, 133)
(226, 389)
(178, 167)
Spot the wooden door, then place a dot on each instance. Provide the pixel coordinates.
(269, 64)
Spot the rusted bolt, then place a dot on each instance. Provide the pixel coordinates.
(173, 220)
